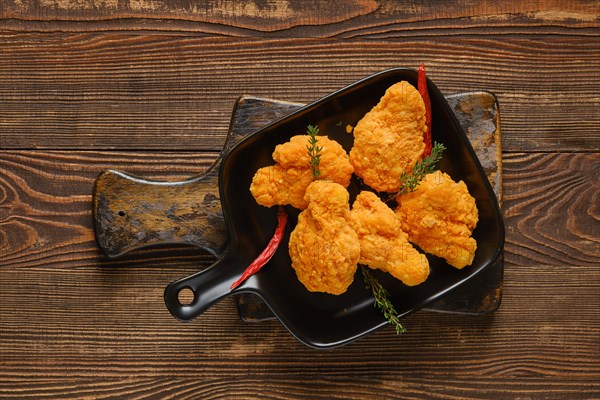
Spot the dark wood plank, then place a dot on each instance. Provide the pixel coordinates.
(551, 202)
(74, 324)
(124, 330)
(299, 18)
(113, 91)
(45, 207)
(551, 205)
(252, 385)
(552, 209)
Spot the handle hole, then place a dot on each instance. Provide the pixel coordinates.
(185, 296)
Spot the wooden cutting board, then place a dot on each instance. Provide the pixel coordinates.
(131, 212)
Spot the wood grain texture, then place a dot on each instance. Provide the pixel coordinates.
(147, 86)
(101, 91)
(125, 331)
(355, 18)
(552, 208)
(46, 197)
(551, 205)
(77, 325)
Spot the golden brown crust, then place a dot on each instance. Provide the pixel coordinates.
(323, 246)
(439, 217)
(329, 240)
(388, 140)
(287, 180)
(383, 244)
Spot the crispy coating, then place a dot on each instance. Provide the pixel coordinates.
(439, 217)
(383, 244)
(287, 180)
(388, 140)
(323, 246)
(277, 185)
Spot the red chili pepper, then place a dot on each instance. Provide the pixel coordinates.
(268, 252)
(422, 84)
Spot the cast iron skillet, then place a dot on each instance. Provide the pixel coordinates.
(316, 319)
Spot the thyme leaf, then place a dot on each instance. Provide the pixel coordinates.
(313, 150)
(409, 182)
(382, 300)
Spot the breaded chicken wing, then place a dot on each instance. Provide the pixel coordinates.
(388, 140)
(439, 217)
(383, 244)
(287, 180)
(323, 246)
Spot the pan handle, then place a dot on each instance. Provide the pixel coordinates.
(208, 287)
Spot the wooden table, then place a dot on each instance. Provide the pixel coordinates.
(148, 87)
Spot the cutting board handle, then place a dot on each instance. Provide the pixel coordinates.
(131, 213)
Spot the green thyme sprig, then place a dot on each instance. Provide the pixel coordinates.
(409, 182)
(382, 300)
(314, 151)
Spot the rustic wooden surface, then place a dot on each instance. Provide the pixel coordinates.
(148, 87)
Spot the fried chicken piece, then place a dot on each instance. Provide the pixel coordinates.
(388, 140)
(274, 185)
(323, 246)
(287, 180)
(439, 217)
(383, 244)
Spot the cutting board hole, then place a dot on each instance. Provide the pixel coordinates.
(185, 296)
